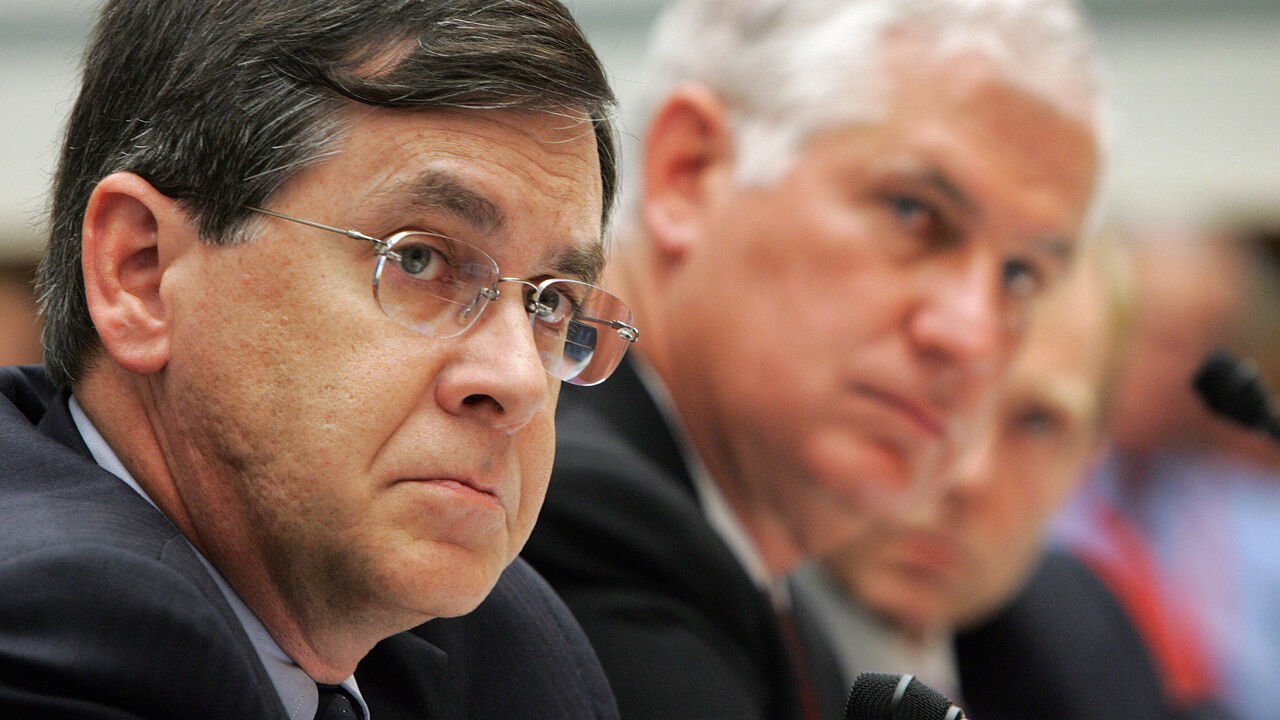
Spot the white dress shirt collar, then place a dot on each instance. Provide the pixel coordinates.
(714, 505)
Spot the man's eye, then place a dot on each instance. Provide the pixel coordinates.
(1038, 421)
(555, 305)
(920, 218)
(1022, 279)
(909, 209)
(421, 261)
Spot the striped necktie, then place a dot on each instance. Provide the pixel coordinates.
(806, 690)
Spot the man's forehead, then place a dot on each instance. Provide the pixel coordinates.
(544, 135)
(1001, 119)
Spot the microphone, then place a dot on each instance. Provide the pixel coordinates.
(1233, 388)
(883, 696)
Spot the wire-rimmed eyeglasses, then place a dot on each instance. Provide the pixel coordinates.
(438, 286)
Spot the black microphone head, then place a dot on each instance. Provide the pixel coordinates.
(884, 696)
(1231, 387)
(871, 697)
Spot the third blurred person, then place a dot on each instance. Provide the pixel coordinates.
(961, 592)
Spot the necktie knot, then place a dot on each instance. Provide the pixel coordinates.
(336, 704)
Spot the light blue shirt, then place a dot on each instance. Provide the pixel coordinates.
(865, 643)
(1212, 522)
(296, 689)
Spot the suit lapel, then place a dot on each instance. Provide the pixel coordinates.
(178, 553)
(625, 403)
(405, 675)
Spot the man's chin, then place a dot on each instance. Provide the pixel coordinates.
(447, 586)
(915, 601)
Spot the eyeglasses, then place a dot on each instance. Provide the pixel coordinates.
(438, 286)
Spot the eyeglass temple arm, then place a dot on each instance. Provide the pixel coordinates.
(627, 332)
(353, 234)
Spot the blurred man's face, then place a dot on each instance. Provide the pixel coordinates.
(834, 328)
(1191, 293)
(361, 469)
(961, 558)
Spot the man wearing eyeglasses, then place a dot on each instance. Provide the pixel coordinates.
(844, 213)
(317, 271)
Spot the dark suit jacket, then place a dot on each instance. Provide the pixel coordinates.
(106, 611)
(1063, 650)
(679, 626)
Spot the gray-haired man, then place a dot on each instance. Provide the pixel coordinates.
(844, 212)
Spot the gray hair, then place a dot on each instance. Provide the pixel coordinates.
(220, 102)
(788, 69)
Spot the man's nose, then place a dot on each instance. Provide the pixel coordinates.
(965, 470)
(975, 464)
(963, 315)
(498, 374)
(961, 326)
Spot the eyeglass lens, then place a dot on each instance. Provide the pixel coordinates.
(438, 286)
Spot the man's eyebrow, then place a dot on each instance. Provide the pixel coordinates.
(936, 179)
(1062, 249)
(440, 191)
(585, 263)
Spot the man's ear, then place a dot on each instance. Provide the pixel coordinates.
(129, 233)
(688, 155)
